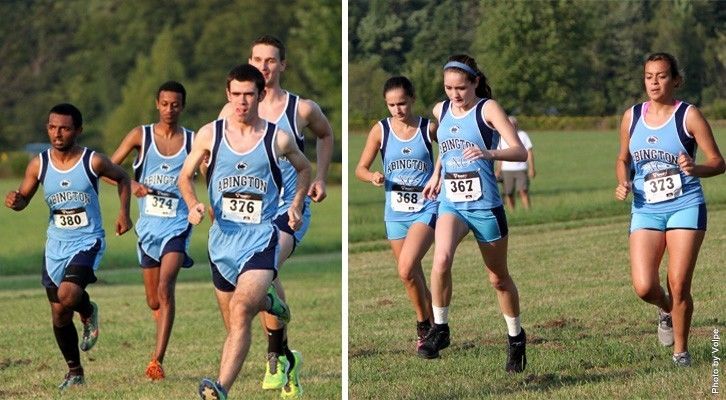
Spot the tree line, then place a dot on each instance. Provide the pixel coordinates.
(542, 57)
(108, 57)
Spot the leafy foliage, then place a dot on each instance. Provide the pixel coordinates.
(108, 57)
(553, 57)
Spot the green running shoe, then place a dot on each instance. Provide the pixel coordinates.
(276, 371)
(71, 380)
(90, 329)
(293, 389)
(278, 307)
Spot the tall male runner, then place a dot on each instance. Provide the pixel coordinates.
(293, 114)
(244, 182)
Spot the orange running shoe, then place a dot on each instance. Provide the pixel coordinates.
(154, 371)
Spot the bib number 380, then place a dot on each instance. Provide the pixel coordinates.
(242, 207)
(70, 219)
(662, 185)
(464, 186)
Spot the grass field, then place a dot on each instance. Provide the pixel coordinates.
(31, 365)
(589, 334)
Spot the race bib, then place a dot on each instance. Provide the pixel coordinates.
(406, 198)
(242, 207)
(462, 186)
(662, 185)
(70, 219)
(161, 204)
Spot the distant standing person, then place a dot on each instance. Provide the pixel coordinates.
(404, 141)
(244, 182)
(292, 114)
(162, 227)
(656, 162)
(76, 241)
(516, 175)
(470, 125)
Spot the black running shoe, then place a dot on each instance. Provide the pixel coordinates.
(422, 329)
(517, 353)
(437, 339)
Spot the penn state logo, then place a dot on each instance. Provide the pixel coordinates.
(652, 139)
(454, 129)
(406, 151)
(65, 183)
(165, 167)
(241, 165)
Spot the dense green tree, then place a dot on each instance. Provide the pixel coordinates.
(137, 105)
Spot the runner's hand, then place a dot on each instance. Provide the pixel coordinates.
(196, 214)
(621, 192)
(294, 218)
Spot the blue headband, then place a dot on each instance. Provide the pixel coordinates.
(461, 65)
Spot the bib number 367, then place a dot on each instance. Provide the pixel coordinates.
(463, 186)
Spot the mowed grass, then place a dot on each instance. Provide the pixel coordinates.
(590, 336)
(31, 365)
(23, 233)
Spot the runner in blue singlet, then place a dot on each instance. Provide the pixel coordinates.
(470, 124)
(404, 141)
(656, 162)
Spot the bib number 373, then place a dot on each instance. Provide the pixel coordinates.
(662, 185)
(242, 207)
(70, 219)
(462, 186)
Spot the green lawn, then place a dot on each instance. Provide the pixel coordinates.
(590, 336)
(31, 365)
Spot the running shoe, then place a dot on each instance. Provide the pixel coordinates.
(155, 371)
(422, 328)
(682, 359)
(293, 389)
(665, 328)
(517, 353)
(436, 339)
(71, 380)
(278, 307)
(209, 390)
(90, 329)
(276, 371)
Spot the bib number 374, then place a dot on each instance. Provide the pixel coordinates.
(161, 204)
(462, 186)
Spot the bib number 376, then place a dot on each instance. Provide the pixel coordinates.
(242, 207)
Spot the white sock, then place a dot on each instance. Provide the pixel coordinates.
(513, 325)
(441, 315)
